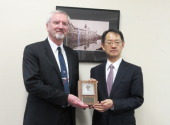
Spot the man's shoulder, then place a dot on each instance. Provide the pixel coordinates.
(36, 44)
(122, 63)
(70, 50)
(37, 47)
(130, 64)
(99, 66)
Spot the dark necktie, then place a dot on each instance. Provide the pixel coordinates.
(110, 80)
(63, 71)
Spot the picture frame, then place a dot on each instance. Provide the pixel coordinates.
(87, 92)
(85, 31)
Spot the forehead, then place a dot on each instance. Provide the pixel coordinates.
(59, 17)
(113, 36)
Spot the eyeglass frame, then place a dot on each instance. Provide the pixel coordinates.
(63, 23)
(117, 43)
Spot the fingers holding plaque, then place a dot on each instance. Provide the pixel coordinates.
(87, 92)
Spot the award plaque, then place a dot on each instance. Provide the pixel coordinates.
(87, 92)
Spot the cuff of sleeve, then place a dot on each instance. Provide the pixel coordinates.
(112, 108)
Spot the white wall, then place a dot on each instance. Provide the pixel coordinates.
(146, 28)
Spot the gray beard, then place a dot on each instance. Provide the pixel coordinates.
(58, 36)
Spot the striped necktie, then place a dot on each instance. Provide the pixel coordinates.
(63, 71)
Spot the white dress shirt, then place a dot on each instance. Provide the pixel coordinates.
(55, 51)
(115, 69)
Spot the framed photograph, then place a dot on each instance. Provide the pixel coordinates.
(87, 92)
(85, 31)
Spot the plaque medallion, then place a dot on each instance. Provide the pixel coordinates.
(87, 92)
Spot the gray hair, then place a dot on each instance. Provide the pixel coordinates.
(57, 11)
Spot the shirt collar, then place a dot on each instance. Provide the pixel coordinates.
(115, 64)
(54, 46)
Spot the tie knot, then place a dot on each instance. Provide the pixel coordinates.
(59, 49)
(111, 66)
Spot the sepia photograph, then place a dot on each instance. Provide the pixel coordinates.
(86, 35)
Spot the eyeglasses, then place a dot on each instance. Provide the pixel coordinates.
(109, 43)
(64, 24)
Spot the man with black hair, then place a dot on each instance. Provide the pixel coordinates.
(120, 84)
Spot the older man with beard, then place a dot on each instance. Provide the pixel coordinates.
(50, 72)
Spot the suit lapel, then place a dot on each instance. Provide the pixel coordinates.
(69, 60)
(120, 74)
(51, 57)
(103, 78)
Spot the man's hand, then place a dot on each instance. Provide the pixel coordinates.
(92, 80)
(104, 105)
(75, 102)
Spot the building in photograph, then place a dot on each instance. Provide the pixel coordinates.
(81, 37)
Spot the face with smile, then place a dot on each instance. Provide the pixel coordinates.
(113, 46)
(57, 27)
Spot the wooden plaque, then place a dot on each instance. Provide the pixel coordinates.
(87, 92)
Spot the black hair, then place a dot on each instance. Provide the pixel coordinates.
(114, 31)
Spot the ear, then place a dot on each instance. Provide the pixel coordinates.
(47, 27)
(103, 47)
(123, 44)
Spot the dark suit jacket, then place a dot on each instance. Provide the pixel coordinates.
(43, 82)
(126, 93)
